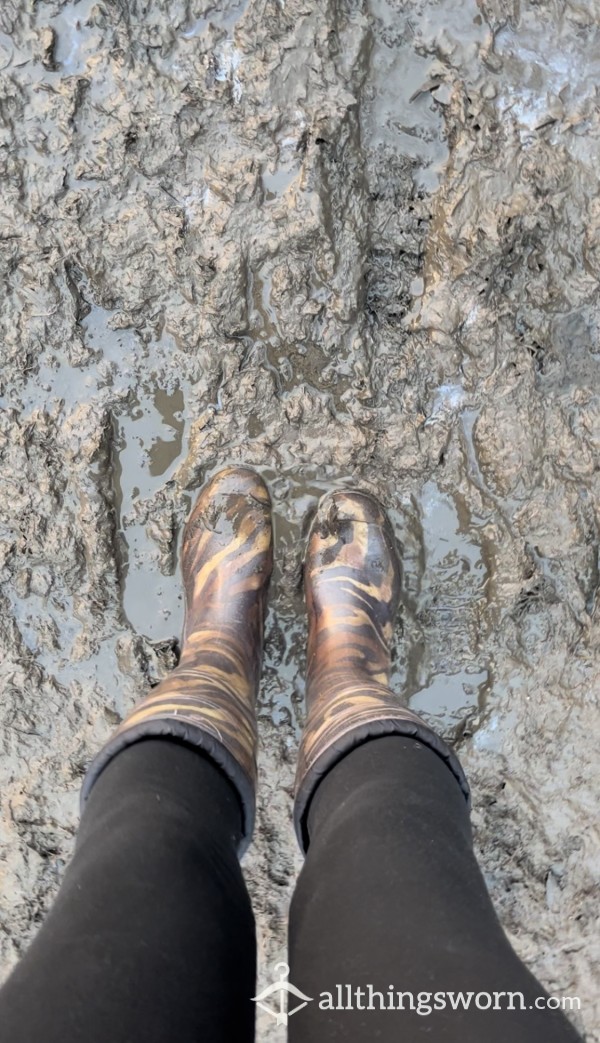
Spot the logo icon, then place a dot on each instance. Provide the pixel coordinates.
(284, 989)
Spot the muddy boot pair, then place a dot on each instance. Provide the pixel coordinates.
(352, 580)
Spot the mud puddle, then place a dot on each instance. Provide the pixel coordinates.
(352, 244)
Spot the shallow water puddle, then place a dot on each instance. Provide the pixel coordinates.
(149, 445)
(73, 45)
(400, 109)
(550, 72)
(450, 698)
(450, 549)
(203, 16)
(446, 578)
(57, 380)
(278, 178)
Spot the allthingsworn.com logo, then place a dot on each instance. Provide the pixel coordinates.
(282, 999)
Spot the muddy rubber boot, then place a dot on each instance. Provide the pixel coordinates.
(208, 701)
(352, 585)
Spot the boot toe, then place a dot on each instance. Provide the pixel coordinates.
(352, 505)
(235, 481)
(232, 509)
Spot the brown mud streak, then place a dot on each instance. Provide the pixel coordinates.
(349, 244)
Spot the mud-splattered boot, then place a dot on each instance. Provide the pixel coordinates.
(208, 701)
(352, 585)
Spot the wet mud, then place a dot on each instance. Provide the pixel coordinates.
(345, 243)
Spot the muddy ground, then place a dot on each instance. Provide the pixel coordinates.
(347, 243)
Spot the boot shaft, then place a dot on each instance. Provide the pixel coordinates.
(209, 700)
(353, 577)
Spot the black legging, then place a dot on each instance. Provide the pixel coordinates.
(151, 938)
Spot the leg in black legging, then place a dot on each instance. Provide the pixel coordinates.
(391, 895)
(151, 937)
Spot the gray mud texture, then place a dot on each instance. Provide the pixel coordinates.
(353, 242)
